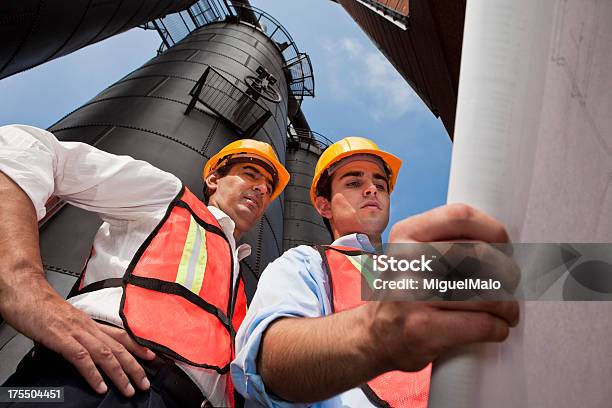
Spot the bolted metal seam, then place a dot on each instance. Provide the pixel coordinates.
(135, 128)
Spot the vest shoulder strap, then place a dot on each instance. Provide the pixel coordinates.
(102, 284)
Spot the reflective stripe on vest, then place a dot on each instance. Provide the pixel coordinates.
(178, 297)
(392, 389)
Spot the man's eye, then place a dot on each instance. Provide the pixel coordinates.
(353, 184)
(381, 187)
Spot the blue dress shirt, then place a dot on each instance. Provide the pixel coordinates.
(294, 285)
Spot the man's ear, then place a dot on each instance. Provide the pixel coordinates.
(212, 181)
(323, 206)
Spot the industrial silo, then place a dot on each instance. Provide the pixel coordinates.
(205, 88)
(36, 31)
(303, 224)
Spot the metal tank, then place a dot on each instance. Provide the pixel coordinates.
(303, 224)
(36, 31)
(143, 115)
(175, 112)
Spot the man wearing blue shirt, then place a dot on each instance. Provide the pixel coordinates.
(294, 350)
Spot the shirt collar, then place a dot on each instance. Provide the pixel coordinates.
(228, 225)
(243, 251)
(360, 241)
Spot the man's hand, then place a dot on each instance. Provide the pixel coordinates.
(452, 222)
(32, 307)
(48, 319)
(408, 335)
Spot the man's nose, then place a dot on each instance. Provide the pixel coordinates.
(261, 187)
(370, 189)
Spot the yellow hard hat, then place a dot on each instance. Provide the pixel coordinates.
(249, 148)
(350, 146)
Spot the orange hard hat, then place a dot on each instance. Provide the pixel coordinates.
(350, 146)
(249, 148)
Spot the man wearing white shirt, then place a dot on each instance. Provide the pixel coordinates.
(150, 220)
(308, 339)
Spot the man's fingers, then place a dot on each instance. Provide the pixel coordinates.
(88, 346)
(497, 265)
(80, 358)
(122, 349)
(509, 312)
(428, 329)
(62, 321)
(129, 364)
(479, 260)
(122, 337)
(104, 356)
(449, 223)
(466, 327)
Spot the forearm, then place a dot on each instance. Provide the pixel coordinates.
(312, 359)
(21, 268)
(34, 308)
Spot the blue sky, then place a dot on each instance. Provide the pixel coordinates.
(358, 93)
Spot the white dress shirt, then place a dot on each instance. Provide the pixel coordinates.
(130, 196)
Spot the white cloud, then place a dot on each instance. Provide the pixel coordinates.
(352, 46)
(361, 75)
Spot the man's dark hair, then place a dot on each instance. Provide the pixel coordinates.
(220, 172)
(324, 190)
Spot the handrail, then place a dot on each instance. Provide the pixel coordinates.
(298, 67)
(298, 136)
(229, 102)
(297, 63)
(259, 13)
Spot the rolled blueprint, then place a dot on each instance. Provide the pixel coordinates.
(533, 148)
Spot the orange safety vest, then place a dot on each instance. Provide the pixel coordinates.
(392, 389)
(178, 297)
